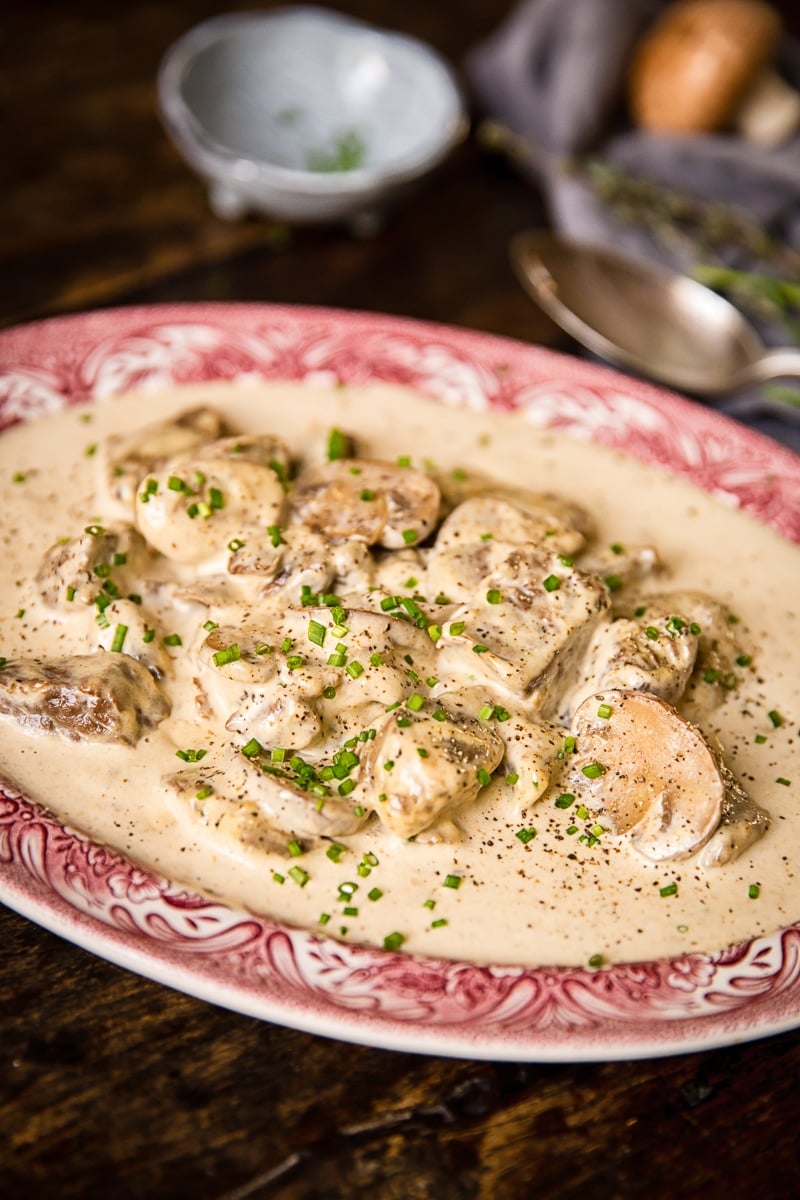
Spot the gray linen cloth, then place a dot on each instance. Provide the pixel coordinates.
(553, 75)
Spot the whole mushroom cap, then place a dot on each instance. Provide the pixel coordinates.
(695, 64)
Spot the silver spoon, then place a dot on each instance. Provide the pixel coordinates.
(646, 318)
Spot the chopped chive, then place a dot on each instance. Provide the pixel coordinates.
(525, 835)
(338, 445)
(148, 635)
(784, 782)
(552, 583)
(775, 718)
(754, 891)
(393, 941)
(512, 778)
(452, 881)
(191, 756)
(374, 894)
(593, 770)
(604, 711)
(564, 801)
(275, 535)
(434, 631)
(711, 676)
(173, 639)
(613, 583)
(479, 648)
(744, 660)
(596, 961)
(294, 661)
(316, 632)
(367, 494)
(252, 748)
(300, 876)
(354, 670)
(278, 878)
(209, 625)
(652, 633)
(409, 536)
(671, 889)
(204, 792)
(119, 638)
(415, 702)
(456, 628)
(235, 544)
(70, 593)
(483, 777)
(494, 596)
(485, 712)
(760, 739)
(437, 924)
(329, 692)
(228, 655)
(262, 648)
(96, 530)
(294, 848)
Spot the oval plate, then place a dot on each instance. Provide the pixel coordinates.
(95, 898)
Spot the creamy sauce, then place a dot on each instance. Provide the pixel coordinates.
(547, 900)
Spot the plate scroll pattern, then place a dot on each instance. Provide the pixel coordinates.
(315, 982)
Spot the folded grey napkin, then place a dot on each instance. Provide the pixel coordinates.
(552, 76)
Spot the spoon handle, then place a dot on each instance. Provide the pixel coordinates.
(783, 363)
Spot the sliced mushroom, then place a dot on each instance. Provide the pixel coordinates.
(125, 458)
(419, 769)
(647, 774)
(93, 697)
(741, 825)
(200, 509)
(528, 629)
(366, 499)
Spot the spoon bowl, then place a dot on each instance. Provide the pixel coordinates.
(645, 317)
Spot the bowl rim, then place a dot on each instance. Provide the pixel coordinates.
(217, 160)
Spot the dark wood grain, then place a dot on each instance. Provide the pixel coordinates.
(113, 1085)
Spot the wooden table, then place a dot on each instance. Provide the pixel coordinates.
(114, 1085)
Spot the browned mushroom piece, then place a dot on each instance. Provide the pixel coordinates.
(482, 530)
(649, 775)
(125, 458)
(74, 572)
(422, 769)
(376, 502)
(704, 66)
(527, 628)
(249, 805)
(197, 508)
(90, 697)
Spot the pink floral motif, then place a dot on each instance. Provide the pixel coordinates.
(97, 898)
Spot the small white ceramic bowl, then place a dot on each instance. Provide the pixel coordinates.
(307, 115)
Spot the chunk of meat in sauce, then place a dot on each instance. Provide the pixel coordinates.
(94, 697)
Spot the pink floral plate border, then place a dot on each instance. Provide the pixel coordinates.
(94, 897)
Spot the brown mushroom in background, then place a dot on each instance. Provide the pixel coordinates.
(705, 65)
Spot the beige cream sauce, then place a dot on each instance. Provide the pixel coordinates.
(552, 901)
